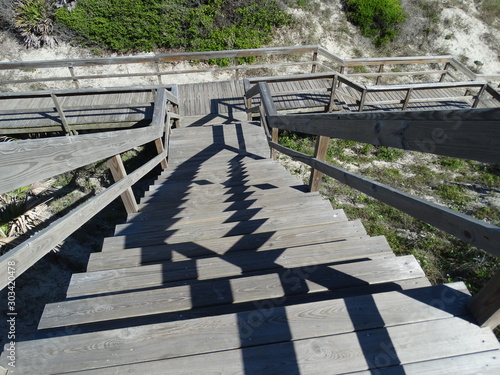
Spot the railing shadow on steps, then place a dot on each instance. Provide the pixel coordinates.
(27, 161)
(470, 134)
(267, 321)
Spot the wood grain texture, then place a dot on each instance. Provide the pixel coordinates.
(26, 162)
(277, 284)
(118, 172)
(32, 250)
(227, 265)
(170, 340)
(485, 307)
(477, 232)
(159, 222)
(470, 134)
(313, 234)
(330, 354)
(182, 234)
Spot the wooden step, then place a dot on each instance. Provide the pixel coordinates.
(282, 239)
(219, 157)
(224, 169)
(206, 218)
(270, 324)
(186, 207)
(229, 264)
(226, 186)
(223, 173)
(213, 119)
(174, 234)
(237, 197)
(374, 350)
(277, 284)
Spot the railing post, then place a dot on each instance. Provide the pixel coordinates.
(274, 138)
(407, 99)
(332, 96)
(320, 150)
(236, 71)
(75, 80)
(342, 71)
(380, 70)
(314, 59)
(60, 111)
(479, 95)
(117, 169)
(362, 100)
(157, 64)
(160, 148)
(485, 306)
(443, 75)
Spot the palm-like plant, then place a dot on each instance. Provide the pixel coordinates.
(34, 20)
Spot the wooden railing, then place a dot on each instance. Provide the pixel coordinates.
(156, 66)
(363, 92)
(28, 161)
(80, 69)
(70, 119)
(352, 67)
(470, 134)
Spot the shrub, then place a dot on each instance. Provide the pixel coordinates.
(378, 19)
(142, 25)
(34, 20)
(490, 11)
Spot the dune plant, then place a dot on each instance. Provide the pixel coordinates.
(377, 19)
(146, 25)
(34, 19)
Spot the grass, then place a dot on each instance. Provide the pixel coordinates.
(490, 12)
(467, 186)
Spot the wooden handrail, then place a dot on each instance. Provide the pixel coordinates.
(156, 59)
(460, 133)
(56, 114)
(466, 133)
(397, 60)
(25, 162)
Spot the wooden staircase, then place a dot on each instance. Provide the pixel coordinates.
(232, 267)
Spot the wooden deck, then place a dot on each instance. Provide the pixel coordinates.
(231, 267)
(201, 103)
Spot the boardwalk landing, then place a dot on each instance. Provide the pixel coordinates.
(231, 267)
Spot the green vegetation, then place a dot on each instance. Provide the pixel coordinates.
(377, 19)
(490, 12)
(34, 21)
(204, 25)
(464, 185)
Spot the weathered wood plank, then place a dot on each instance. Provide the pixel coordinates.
(397, 60)
(464, 227)
(195, 221)
(162, 219)
(338, 354)
(32, 250)
(229, 265)
(26, 162)
(118, 172)
(177, 234)
(485, 307)
(314, 234)
(471, 134)
(236, 290)
(165, 340)
(487, 362)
